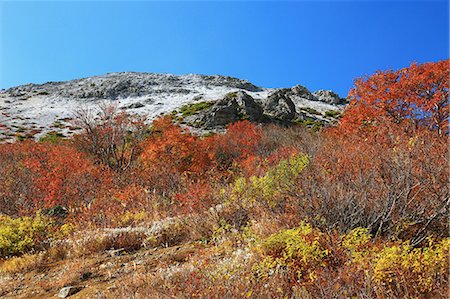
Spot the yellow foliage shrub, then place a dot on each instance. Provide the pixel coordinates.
(298, 249)
(22, 234)
(129, 218)
(20, 264)
(275, 182)
(397, 267)
(421, 268)
(356, 242)
(393, 268)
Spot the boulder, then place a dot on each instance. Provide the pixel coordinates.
(233, 107)
(223, 112)
(247, 107)
(302, 92)
(68, 291)
(136, 105)
(327, 96)
(279, 105)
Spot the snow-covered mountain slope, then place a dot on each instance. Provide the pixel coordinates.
(32, 110)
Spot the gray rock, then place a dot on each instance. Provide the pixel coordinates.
(327, 96)
(225, 111)
(247, 107)
(136, 105)
(302, 92)
(68, 291)
(279, 105)
(113, 86)
(233, 107)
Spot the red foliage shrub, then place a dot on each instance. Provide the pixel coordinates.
(176, 149)
(43, 175)
(238, 143)
(413, 96)
(385, 166)
(197, 197)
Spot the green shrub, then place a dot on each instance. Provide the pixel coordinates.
(311, 111)
(194, 108)
(52, 137)
(58, 124)
(315, 125)
(20, 129)
(333, 113)
(20, 137)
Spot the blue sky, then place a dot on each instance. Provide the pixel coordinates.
(322, 45)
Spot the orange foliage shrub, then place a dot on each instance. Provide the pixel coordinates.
(413, 96)
(385, 167)
(37, 176)
(184, 167)
(239, 143)
(176, 149)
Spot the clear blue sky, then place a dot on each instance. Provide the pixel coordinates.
(272, 44)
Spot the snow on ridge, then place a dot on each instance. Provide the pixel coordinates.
(42, 108)
(46, 113)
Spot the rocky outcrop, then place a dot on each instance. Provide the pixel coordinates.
(276, 108)
(223, 112)
(232, 107)
(128, 84)
(247, 106)
(327, 96)
(279, 105)
(302, 92)
(34, 110)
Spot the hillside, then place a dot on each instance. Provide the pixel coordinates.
(33, 110)
(245, 192)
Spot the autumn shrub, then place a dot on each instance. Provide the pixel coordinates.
(402, 269)
(384, 166)
(130, 218)
(397, 268)
(175, 148)
(240, 141)
(301, 250)
(41, 175)
(413, 96)
(111, 137)
(390, 182)
(24, 234)
(57, 251)
(197, 197)
(272, 188)
(21, 264)
(172, 159)
(304, 262)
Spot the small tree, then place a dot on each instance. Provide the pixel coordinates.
(413, 96)
(113, 137)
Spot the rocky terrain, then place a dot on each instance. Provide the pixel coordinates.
(206, 102)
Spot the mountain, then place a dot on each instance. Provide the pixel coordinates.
(206, 102)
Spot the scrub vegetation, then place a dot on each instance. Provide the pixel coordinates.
(127, 210)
